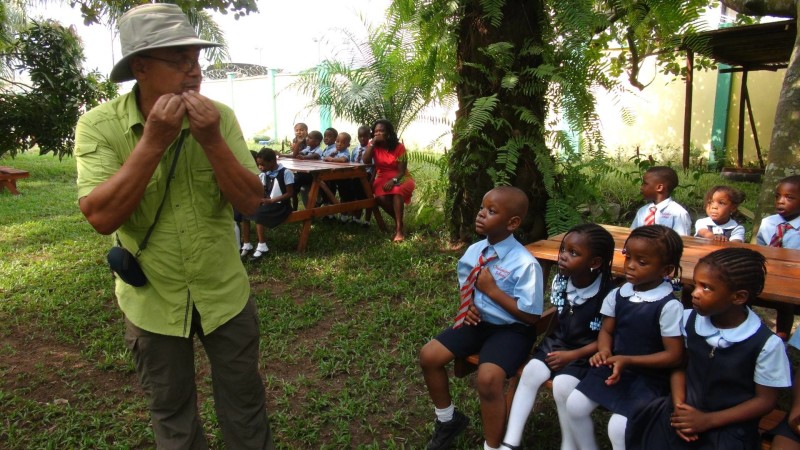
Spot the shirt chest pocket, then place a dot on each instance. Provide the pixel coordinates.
(206, 194)
(503, 279)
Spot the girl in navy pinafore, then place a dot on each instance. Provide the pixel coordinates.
(734, 368)
(584, 279)
(639, 340)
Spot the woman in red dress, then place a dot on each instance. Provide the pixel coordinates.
(393, 184)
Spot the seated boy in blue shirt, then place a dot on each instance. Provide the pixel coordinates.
(502, 296)
(658, 182)
(329, 139)
(781, 229)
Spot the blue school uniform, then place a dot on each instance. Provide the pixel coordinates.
(668, 213)
(769, 225)
(717, 377)
(578, 322)
(642, 318)
(731, 229)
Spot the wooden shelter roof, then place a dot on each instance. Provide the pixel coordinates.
(765, 46)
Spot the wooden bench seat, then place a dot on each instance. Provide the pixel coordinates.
(769, 422)
(9, 177)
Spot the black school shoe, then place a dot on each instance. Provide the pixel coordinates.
(444, 433)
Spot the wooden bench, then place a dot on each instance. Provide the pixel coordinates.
(546, 324)
(769, 422)
(9, 177)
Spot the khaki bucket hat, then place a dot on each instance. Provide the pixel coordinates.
(150, 26)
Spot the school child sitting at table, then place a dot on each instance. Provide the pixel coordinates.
(275, 206)
(734, 366)
(721, 203)
(639, 340)
(329, 139)
(583, 281)
(299, 141)
(302, 181)
(781, 229)
(786, 436)
(357, 156)
(501, 289)
(341, 153)
(658, 182)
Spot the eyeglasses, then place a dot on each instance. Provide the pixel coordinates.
(185, 65)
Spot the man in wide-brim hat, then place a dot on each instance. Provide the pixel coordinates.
(165, 162)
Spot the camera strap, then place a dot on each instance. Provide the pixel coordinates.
(143, 245)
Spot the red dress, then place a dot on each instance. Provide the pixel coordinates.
(387, 167)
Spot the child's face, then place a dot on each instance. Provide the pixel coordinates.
(720, 207)
(494, 217)
(649, 187)
(575, 257)
(363, 137)
(329, 138)
(712, 296)
(342, 142)
(312, 141)
(787, 201)
(644, 268)
(300, 132)
(266, 166)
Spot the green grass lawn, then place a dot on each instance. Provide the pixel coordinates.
(342, 325)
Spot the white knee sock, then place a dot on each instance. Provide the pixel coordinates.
(535, 373)
(563, 386)
(579, 409)
(616, 431)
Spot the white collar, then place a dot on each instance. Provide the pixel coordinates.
(727, 336)
(578, 296)
(653, 295)
(664, 203)
(729, 224)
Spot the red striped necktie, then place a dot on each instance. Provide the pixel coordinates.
(777, 238)
(468, 289)
(650, 219)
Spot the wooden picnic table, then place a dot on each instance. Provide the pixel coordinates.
(782, 286)
(322, 171)
(9, 177)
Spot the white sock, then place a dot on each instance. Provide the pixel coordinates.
(247, 246)
(580, 408)
(534, 374)
(486, 446)
(616, 431)
(563, 385)
(262, 247)
(446, 414)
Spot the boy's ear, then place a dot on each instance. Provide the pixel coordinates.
(660, 188)
(740, 297)
(514, 223)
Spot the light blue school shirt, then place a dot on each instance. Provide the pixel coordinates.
(329, 150)
(668, 213)
(336, 154)
(516, 272)
(769, 225)
(308, 150)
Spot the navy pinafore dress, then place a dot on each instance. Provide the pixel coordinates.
(577, 327)
(637, 332)
(716, 379)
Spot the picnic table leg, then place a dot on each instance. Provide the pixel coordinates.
(11, 185)
(312, 202)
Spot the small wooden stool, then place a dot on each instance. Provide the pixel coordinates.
(9, 177)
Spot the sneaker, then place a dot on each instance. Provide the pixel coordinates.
(245, 249)
(444, 433)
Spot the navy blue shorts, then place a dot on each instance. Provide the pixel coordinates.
(507, 346)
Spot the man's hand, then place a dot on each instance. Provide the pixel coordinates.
(203, 119)
(164, 121)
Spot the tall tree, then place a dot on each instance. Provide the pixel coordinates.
(516, 61)
(784, 149)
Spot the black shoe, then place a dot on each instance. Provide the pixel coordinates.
(444, 433)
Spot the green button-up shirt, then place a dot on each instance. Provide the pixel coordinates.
(191, 258)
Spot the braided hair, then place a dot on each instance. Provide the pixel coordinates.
(740, 268)
(601, 244)
(667, 242)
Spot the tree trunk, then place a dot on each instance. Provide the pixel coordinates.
(784, 149)
(469, 181)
